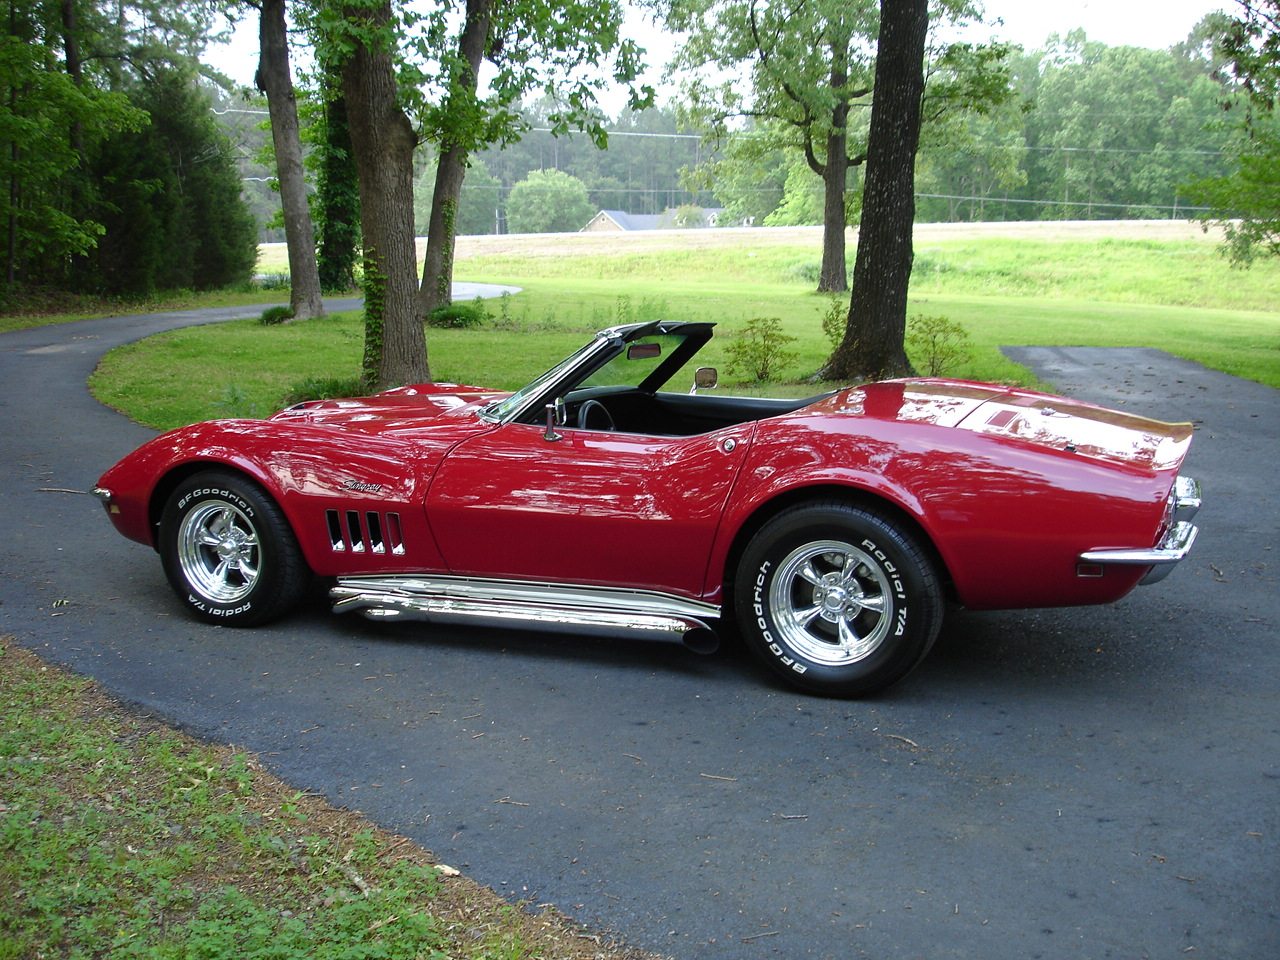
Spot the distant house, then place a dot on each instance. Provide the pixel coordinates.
(615, 221)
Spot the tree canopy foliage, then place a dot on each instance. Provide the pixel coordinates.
(116, 179)
(809, 67)
(548, 201)
(173, 218)
(1247, 199)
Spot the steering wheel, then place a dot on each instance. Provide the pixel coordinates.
(590, 407)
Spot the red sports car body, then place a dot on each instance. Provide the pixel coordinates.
(828, 531)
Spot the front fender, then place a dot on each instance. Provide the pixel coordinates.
(317, 476)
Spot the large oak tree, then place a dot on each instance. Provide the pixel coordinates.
(876, 326)
(803, 71)
(361, 37)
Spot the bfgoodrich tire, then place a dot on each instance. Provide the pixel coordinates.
(837, 599)
(228, 551)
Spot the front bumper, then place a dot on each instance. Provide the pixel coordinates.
(1184, 501)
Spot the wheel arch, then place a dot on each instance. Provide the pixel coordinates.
(170, 481)
(828, 492)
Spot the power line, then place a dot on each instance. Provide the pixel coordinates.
(1064, 203)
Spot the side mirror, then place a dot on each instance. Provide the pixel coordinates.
(705, 378)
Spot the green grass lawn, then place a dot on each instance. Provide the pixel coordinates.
(1178, 295)
(123, 838)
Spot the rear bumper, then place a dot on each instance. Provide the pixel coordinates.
(1184, 500)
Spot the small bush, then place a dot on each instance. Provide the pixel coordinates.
(936, 344)
(835, 318)
(459, 316)
(759, 351)
(271, 281)
(806, 271)
(235, 403)
(274, 315)
(324, 388)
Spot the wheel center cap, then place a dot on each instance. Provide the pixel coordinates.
(833, 599)
(231, 547)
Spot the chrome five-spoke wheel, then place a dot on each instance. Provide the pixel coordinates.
(218, 552)
(830, 600)
(228, 550)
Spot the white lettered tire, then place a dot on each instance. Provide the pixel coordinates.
(228, 551)
(837, 599)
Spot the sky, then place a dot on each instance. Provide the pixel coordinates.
(1139, 23)
(1135, 23)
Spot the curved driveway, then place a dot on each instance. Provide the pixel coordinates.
(1067, 783)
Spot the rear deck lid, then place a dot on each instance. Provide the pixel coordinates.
(1081, 429)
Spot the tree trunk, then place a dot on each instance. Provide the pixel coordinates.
(339, 197)
(834, 277)
(382, 140)
(873, 339)
(275, 81)
(451, 168)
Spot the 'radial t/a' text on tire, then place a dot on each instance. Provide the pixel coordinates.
(228, 551)
(837, 599)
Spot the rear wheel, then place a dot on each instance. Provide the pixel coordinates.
(838, 600)
(228, 551)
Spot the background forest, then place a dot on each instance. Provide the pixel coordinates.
(1091, 132)
(129, 167)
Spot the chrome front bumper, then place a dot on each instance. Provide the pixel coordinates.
(1184, 501)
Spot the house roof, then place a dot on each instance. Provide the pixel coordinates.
(648, 221)
(631, 221)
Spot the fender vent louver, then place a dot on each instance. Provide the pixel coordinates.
(369, 532)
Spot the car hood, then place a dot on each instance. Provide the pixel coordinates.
(399, 409)
(1022, 417)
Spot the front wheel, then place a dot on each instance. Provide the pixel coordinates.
(228, 551)
(837, 599)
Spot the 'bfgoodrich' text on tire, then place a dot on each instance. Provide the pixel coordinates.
(228, 551)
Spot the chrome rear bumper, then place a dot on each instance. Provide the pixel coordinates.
(1185, 499)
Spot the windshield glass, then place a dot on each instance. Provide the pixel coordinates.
(500, 410)
(633, 365)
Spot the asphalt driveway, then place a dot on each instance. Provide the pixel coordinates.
(1068, 783)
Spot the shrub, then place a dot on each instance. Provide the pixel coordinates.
(235, 403)
(458, 316)
(760, 350)
(324, 388)
(806, 271)
(936, 343)
(834, 320)
(274, 315)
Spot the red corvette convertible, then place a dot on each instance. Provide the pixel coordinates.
(829, 532)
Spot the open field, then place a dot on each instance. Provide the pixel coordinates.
(274, 258)
(1161, 283)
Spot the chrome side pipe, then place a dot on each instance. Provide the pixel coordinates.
(514, 603)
